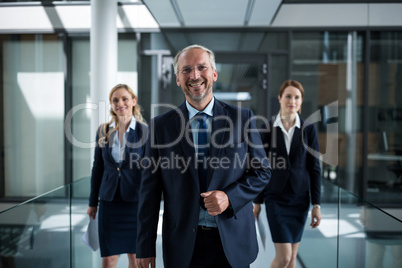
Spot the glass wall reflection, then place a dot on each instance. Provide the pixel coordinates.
(330, 66)
(385, 120)
(33, 114)
(81, 100)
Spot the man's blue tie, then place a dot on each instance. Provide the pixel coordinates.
(202, 154)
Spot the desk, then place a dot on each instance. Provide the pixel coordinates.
(385, 157)
(394, 168)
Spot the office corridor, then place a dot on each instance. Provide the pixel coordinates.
(265, 255)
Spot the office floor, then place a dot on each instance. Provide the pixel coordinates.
(38, 234)
(264, 258)
(44, 239)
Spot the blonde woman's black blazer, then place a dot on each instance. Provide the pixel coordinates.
(107, 175)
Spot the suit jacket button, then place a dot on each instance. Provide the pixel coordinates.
(118, 169)
(194, 230)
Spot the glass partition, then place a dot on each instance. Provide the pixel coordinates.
(318, 247)
(383, 238)
(384, 120)
(330, 66)
(82, 153)
(82, 255)
(32, 99)
(353, 233)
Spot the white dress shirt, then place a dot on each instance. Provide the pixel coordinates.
(287, 135)
(117, 148)
(204, 218)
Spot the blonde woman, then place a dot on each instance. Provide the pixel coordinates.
(115, 179)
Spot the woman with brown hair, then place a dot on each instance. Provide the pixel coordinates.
(295, 181)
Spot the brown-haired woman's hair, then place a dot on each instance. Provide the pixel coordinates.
(291, 83)
(104, 130)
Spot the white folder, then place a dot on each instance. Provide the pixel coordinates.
(91, 236)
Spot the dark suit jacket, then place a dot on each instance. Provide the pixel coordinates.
(180, 186)
(301, 169)
(107, 174)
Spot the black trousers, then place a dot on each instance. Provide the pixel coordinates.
(208, 251)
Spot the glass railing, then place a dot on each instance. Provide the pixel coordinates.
(353, 233)
(37, 233)
(46, 232)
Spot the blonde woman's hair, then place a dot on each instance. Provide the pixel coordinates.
(104, 130)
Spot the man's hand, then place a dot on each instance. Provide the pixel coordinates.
(216, 202)
(146, 262)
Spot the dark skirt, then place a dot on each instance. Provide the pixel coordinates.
(117, 226)
(287, 214)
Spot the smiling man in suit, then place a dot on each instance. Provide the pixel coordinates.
(208, 216)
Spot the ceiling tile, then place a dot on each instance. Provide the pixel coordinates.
(263, 12)
(218, 41)
(213, 13)
(321, 15)
(163, 12)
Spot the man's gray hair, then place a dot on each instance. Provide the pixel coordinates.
(210, 53)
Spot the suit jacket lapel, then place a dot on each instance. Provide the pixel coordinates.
(109, 145)
(132, 143)
(296, 141)
(218, 124)
(280, 143)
